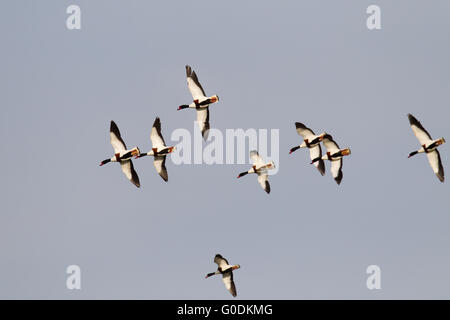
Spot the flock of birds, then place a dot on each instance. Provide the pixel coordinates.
(201, 103)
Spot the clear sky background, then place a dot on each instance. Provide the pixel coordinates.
(272, 64)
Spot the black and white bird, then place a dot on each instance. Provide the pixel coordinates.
(312, 142)
(226, 270)
(334, 155)
(122, 155)
(260, 168)
(159, 150)
(429, 146)
(201, 101)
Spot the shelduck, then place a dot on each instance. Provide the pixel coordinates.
(159, 150)
(226, 270)
(312, 142)
(260, 168)
(429, 146)
(122, 155)
(201, 101)
(334, 155)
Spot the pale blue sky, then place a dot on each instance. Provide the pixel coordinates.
(272, 64)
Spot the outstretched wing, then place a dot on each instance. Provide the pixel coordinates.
(115, 138)
(263, 180)
(304, 131)
(160, 165)
(130, 173)
(203, 121)
(434, 158)
(419, 131)
(256, 158)
(314, 153)
(221, 262)
(330, 144)
(194, 85)
(156, 136)
(336, 170)
(227, 279)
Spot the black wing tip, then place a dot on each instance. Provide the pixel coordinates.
(300, 125)
(267, 188)
(113, 125)
(157, 123)
(321, 167)
(164, 177)
(205, 131)
(412, 119)
(115, 129)
(136, 182)
(338, 179)
(188, 71)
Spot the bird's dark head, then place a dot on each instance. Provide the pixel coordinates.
(294, 149)
(184, 106)
(242, 174)
(104, 162)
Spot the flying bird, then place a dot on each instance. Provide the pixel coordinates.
(159, 150)
(201, 101)
(226, 270)
(260, 168)
(312, 142)
(429, 146)
(122, 155)
(334, 155)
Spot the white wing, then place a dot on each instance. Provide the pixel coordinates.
(203, 121)
(329, 143)
(419, 131)
(222, 263)
(130, 173)
(115, 138)
(304, 131)
(263, 180)
(336, 170)
(160, 165)
(227, 279)
(256, 158)
(194, 85)
(156, 136)
(434, 158)
(316, 152)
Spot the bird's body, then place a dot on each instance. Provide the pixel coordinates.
(201, 101)
(159, 150)
(312, 142)
(226, 270)
(260, 168)
(334, 154)
(122, 155)
(428, 146)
